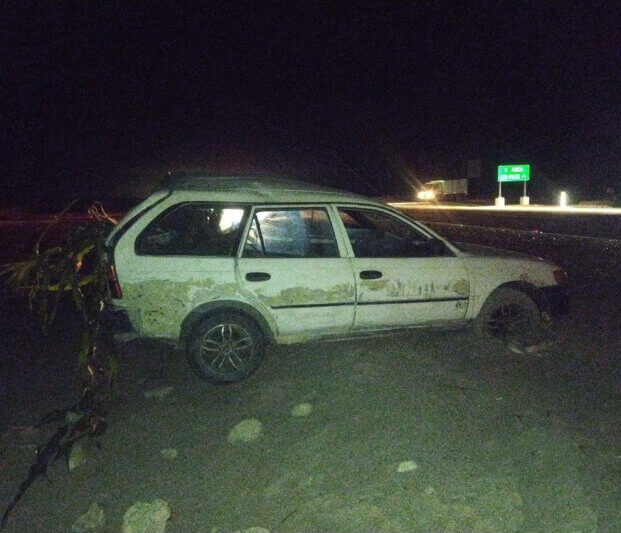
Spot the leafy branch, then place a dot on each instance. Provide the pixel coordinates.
(75, 268)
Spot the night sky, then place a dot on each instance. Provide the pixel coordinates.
(103, 99)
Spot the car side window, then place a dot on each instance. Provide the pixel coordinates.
(291, 233)
(194, 229)
(376, 234)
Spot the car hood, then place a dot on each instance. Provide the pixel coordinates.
(475, 250)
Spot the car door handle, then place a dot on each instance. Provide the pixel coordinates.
(370, 274)
(257, 276)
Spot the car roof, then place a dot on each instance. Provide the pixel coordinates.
(258, 189)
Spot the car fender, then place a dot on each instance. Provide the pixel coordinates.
(264, 321)
(488, 275)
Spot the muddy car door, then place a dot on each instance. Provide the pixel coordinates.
(404, 276)
(175, 262)
(292, 265)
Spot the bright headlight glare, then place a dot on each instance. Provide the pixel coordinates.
(425, 195)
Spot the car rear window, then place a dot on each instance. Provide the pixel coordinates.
(194, 229)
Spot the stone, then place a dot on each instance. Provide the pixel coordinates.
(91, 520)
(77, 457)
(407, 466)
(143, 517)
(169, 453)
(71, 417)
(247, 430)
(302, 409)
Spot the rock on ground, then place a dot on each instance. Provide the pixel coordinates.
(90, 521)
(247, 430)
(145, 517)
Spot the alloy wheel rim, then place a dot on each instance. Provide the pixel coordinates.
(226, 348)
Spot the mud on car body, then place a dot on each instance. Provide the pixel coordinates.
(224, 266)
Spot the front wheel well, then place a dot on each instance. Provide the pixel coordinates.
(530, 290)
(211, 308)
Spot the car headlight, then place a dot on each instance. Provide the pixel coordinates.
(425, 195)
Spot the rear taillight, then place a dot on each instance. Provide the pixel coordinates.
(113, 283)
(561, 277)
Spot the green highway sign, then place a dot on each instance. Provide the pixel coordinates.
(513, 173)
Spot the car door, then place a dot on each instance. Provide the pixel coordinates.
(404, 276)
(292, 264)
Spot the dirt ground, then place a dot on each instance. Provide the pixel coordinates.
(420, 431)
(497, 441)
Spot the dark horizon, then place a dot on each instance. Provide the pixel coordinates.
(104, 99)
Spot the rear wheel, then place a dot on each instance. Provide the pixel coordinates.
(226, 348)
(509, 315)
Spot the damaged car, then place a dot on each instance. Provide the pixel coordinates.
(224, 266)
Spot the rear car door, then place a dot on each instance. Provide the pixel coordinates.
(173, 263)
(292, 264)
(404, 276)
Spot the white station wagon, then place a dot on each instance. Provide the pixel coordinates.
(224, 266)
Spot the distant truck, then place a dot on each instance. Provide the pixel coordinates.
(444, 190)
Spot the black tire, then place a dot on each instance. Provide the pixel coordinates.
(508, 315)
(226, 348)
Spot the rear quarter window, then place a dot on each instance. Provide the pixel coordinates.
(193, 229)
